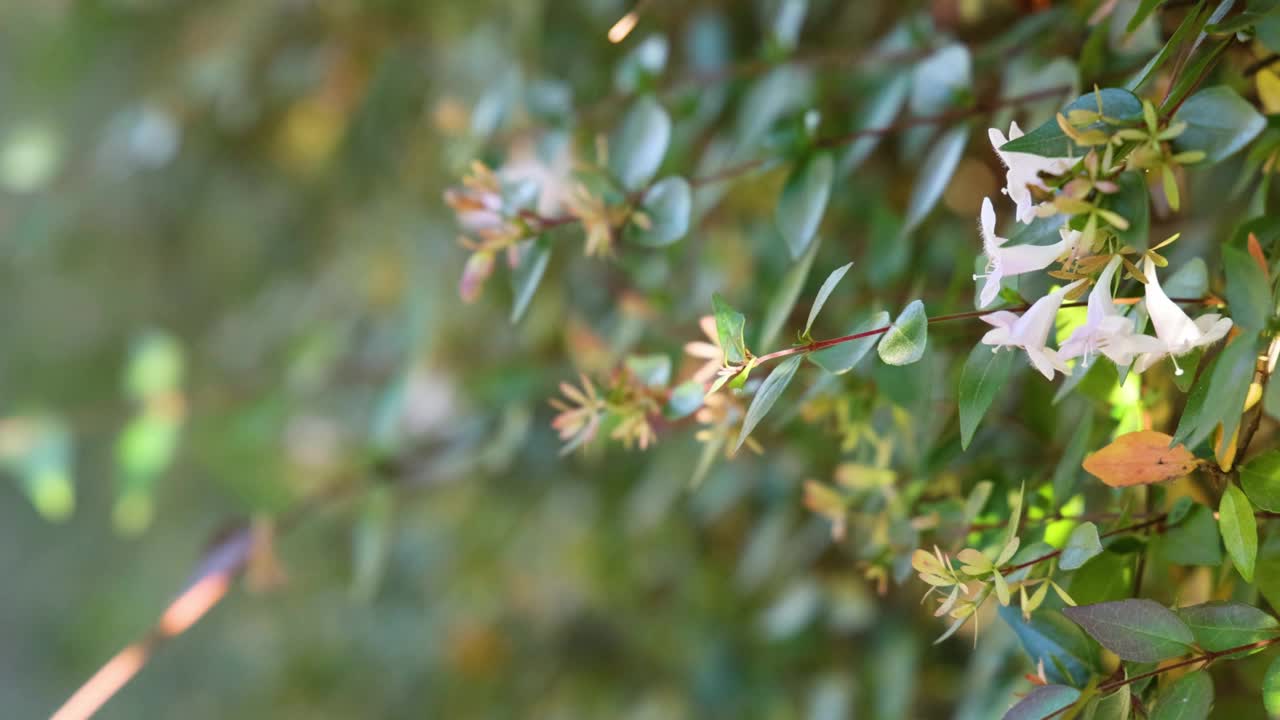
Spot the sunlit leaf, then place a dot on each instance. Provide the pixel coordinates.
(1140, 458)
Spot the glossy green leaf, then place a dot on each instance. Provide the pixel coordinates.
(803, 201)
(1247, 292)
(667, 205)
(767, 395)
(824, 292)
(1082, 546)
(729, 328)
(639, 143)
(1219, 123)
(1239, 530)
(1190, 697)
(840, 359)
(1260, 478)
(1048, 140)
(1042, 702)
(1138, 629)
(1219, 626)
(935, 174)
(905, 341)
(983, 375)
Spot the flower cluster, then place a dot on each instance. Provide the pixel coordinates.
(1044, 187)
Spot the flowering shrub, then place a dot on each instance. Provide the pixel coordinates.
(1130, 251)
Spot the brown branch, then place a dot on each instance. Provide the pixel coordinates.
(1157, 520)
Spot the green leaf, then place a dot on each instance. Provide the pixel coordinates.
(878, 112)
(767, 395)
(1050, 638)
(371, 540)
(1191, 23)
(1271, 689)
(803, 200)
(1190, 281)
(667, 204)
(685, 399)
(1133, 204)
(1271, 400)
(1109, 576)
(1139, 630)
(534, 255)
(1260, 478)
(1042, 702)
(1190, 697)
(1144, 10)
(1194, 541)
(824, 292)
(1116, 705)
(1239, 530)
(1219, 123)
(1082, 546)
(653, 371)
(1048, 140)
(641, 64)
(840, 359)
(729, 327)
(983, 375)
(1247, 293)
(639, 143)
(941, 79)
(1066, 475)
(784, 298)
(937, 168)
(905, 341)
(1223, 399)
(1219, 626)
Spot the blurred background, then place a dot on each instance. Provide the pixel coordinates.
(229, 304)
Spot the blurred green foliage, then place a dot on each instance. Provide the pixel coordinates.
(231, 299)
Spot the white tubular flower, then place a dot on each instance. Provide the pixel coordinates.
(1030, 331)
(1003, 262)
(1178, 333)
(1105, 330)
(1024, 170)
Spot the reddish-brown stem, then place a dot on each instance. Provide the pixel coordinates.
(1118, 531)
(824, 344)
(1205, 658)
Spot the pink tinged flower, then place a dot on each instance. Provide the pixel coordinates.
(1005, 262)
(478, 269)
(1024, 170)
(1105, 330)
(1178, 333)
(1030, 331)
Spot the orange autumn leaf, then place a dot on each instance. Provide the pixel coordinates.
(1140, 458)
